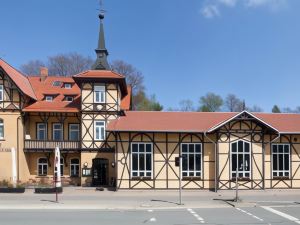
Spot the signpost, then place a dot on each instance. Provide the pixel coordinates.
(57, 174)
(14, 167)
(178, 163)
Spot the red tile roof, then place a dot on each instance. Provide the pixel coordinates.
(18, 78)
(195, 121)
(126, 101)
(58, 104)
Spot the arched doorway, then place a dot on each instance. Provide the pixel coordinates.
(100, 172)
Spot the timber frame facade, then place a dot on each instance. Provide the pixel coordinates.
(104, 143)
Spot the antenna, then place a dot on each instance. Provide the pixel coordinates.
(101, 9)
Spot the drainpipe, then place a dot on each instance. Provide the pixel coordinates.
(17, 151)
(216, 172)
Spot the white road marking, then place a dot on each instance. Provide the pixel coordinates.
(150, 210)
(196, 215)
(152, 220)
(249, 214)
(284, 215)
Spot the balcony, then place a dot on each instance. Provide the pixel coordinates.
(49, 145)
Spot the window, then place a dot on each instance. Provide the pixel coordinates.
(99, 94)
(68, 85)
(141, 160)
(1, 129)
(42, 167)
(191, 160)
(1, 93)
(49, 98)
(73, 132)
(74, 168)
(41, 131)
(56, 83)
(240, 159)
(281, 160)
(99, 130)
(69, 98)
(57, 131)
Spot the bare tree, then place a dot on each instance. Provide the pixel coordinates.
(32, 67)
(68, 64)
(255, 108)
(134, 77)
(233, 104)
(59, 65)
(186, 105)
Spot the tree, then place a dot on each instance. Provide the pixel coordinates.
(276, 109)
(146, 103)
(255, 108)
(210, 103)
(233, 104)
(134, 77)
(32, 67)
(68, 64)
(59, 65)
(186, 105)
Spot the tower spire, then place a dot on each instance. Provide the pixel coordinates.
(102, 53)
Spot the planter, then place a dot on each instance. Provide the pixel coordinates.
(51, 190)
(12, 190)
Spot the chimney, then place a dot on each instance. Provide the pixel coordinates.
(43, 73)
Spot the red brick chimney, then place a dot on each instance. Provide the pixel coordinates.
(43, 73)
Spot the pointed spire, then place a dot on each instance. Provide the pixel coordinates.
(102, 53)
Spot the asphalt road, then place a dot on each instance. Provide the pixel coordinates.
(268, 214)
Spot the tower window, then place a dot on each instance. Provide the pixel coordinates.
(99, 94)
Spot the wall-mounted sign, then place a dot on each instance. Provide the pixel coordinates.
(86, 172)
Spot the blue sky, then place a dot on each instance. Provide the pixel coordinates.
(185, 49)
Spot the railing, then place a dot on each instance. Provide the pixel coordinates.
(48, 144)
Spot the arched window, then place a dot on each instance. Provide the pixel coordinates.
(1, 129)
(42, 167)
(240, 159)
(74, 167)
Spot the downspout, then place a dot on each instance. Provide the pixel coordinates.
(216, 172)
(18, 145)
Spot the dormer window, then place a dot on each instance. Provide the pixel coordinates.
(56, 83)
(67, 85)
(69, 98)
(99, 94)
(48, 98)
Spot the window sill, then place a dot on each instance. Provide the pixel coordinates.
(191, 178)
(74, 176)
(42, 176)
(141, 178)
(281, 178)
(241, 179)
(2, 139)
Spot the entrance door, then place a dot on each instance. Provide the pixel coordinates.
(100, 172)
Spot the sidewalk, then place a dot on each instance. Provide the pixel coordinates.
(89, 199)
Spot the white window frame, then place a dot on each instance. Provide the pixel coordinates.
(138, 171)
(72, 130)
(283, 154)
(38, 131)
(1, 93)
(101, 137)
(49, 98)
(99, 89)
(194, 171)
(67, 85)
(62, 131)
(2, 125)
(241, 153)
(42, 166)
(73, 167)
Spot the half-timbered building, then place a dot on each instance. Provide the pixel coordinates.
(103, 142)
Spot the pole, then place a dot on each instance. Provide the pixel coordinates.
(57, 177)
(180, 179)
(236, 185)
(56, 194)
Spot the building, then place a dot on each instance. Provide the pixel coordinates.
(103, 142)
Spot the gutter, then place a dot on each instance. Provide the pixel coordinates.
(216, 172)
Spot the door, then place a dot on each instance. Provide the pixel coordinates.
(100, 172)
